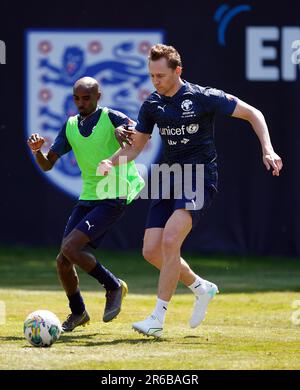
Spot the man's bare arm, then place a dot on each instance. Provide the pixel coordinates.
(45, 161)
(258, 123)
(130, 152)
(125, 155)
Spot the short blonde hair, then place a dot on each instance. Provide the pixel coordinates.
(168, 52)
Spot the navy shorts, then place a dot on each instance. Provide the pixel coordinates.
(161, 209)
(95, 218)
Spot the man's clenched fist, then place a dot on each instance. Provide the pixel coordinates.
(35, 142)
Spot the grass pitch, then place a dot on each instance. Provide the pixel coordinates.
(248, 325)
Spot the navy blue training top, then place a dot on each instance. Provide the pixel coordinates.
(186, 121)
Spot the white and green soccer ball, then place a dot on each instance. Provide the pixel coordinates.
(42, 328)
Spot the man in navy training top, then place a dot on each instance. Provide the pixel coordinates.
(184, 113)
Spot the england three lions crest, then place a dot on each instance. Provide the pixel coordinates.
(56, 59)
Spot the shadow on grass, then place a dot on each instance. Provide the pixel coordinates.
(92, 339)
(97, 343)
(11, 338)
(35, 269)
(86, 340)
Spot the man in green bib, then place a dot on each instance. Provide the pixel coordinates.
(93, 135)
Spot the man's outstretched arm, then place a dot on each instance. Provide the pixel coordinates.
(125, 155)
(258, 123)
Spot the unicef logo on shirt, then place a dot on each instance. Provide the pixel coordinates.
(193, 128)
(187, 105)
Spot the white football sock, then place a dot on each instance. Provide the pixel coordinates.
(199, 286)
(160, 310)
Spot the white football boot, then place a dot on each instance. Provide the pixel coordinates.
(151, 326)
(201, 303)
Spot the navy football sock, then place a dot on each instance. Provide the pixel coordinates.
(105, 277)
(76, 303)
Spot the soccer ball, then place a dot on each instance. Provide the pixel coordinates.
(42, 328)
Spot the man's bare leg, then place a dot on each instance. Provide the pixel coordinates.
(152, 252)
